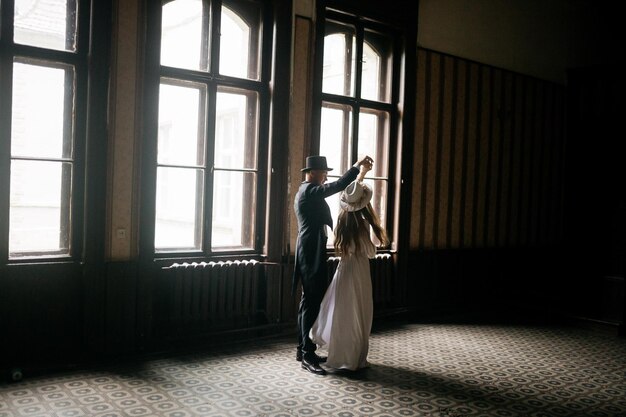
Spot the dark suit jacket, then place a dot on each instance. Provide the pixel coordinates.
(313, 213)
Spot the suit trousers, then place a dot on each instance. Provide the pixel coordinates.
(313, 289)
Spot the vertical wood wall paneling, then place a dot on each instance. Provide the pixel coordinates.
(121, 208)
(487, 158)
(445, 157)
(495, 171)
(535, 167)
(472, 157)
(464, 134)
(483, 136)
(557, 202)
(546, 169)
(431, 147)
(478, 161)
(517, 113)
(44, 313)
(553, 165)
(278, 204)
(439, 134)
(451, 99)
(505, 160)
(300, 109)
(419, 195)
(122, 297)
(459, 149)
(529, 95)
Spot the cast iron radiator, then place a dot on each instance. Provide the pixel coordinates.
(215, 295)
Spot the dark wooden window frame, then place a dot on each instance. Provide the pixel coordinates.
(79, 60)
(332, 11)
(272, 90)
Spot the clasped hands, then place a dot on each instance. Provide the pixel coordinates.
(364, 164)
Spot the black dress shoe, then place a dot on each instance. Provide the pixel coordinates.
(313, 367)
(316, 358)
(320, 359)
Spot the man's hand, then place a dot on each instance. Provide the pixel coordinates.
(366, 160)
(365, 165)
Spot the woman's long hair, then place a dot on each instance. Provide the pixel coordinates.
(351, 224)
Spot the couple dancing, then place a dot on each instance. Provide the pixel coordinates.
(339, 319)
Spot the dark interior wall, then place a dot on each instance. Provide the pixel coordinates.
(595, 191)
(488, 159)
(518, 193)
(487, 206)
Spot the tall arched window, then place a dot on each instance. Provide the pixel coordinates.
(43, 73)
(208, 168)
(358, 115)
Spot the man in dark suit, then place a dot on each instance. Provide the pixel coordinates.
(314, 216)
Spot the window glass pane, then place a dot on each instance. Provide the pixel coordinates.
(379, 201)
(179, 202)
(240, 40)
(37, 122)
(236, 130)
(182, 35)
(339, 59)
(333, 203)
(181, 124)
(335, 134)
(46, 24)
(234, 205)
(39, 208)
(376, 70)
(374, 139)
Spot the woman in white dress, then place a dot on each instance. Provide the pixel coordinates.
(344, 322)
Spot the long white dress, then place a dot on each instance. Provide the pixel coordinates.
(344, 322)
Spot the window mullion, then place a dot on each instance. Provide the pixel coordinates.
(6, 75)
(68, 122)
(358, 61)
(216, 21)
(210, 114)
(67, 174)
(210, 164)
(357, 92)
(394, 159)
(206, 35)
(347, 147)
(69, 7)
(347, 81)
(200, 233)
(5, 150)
(68, 168)
(202, 163)
(7, 12)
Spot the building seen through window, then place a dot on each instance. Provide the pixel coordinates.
(356, 112)
(208, 123)
(42, 136)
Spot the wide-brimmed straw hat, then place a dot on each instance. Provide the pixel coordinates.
(316, 163)
(355, 196)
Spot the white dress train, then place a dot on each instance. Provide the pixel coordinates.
(344, 322)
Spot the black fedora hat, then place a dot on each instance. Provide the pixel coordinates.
(316, 163)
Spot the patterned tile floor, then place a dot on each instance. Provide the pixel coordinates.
(434, 370)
